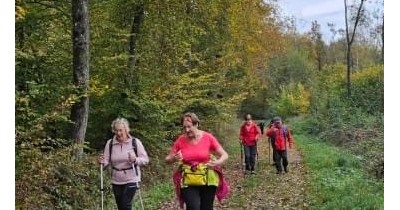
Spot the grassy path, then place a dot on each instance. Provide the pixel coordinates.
(266, 189)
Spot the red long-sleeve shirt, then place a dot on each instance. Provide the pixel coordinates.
(249, 134)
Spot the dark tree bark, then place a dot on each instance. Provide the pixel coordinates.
(80, 45)
(349, 42)
(383, 39)
(136, 23)
(316, 37)
(137, 20)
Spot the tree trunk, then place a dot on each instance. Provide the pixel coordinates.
(80, 45)
(133, 38)
(349, 42)
(137, 21)
(348, 62)
(382, 37)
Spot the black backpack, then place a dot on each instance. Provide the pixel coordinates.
(261, 125)
(134, 146)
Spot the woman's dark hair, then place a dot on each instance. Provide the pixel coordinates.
(276, 119)
(193, 118)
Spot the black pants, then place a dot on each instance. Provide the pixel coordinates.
(199, 197)
(281, 159)
(250, 153)
(274, 157)
(124, 195)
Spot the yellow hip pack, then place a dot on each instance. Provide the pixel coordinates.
(194, 175)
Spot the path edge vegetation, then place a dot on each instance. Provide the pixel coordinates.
(337, 179)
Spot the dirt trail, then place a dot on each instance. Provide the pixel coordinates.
(266, 189)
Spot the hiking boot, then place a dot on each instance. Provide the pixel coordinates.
(253, 172)
(278, 172)
(286, 169)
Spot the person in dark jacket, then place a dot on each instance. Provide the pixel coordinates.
(282, 138)
(262, 126)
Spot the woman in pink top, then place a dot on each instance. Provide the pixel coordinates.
(127, 155)
(192, 148)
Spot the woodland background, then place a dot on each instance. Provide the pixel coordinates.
(80, 64)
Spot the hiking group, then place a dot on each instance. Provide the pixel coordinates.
(279, 136)
(199, 177)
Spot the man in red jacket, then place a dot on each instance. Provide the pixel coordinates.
(282, 137)
(249, 135)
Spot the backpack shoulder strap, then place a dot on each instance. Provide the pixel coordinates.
(110, 145)
(134, 145)
(285, 131)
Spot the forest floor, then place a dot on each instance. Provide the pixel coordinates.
(266, 189)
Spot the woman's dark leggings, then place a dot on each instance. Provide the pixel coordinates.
(124, 195)
(199, 197)
(250, 153)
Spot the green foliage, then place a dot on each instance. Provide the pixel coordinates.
(368, 90)
(289, 82)
(355, 124)
(189, 56)
(292, 67)
(53, 180)
(44, 130)
(337, 181)
(43, 94)
(256, 105)
(293, 100)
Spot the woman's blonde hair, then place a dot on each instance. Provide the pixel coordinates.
(121, 121)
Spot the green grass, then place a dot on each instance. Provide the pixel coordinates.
(337, 179)
(159, 192)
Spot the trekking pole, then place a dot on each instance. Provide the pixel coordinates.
(101, 186)
(241, 156)
(269, 150)
(257, 151)
(138, 187)
(287, 152)
(140, 196)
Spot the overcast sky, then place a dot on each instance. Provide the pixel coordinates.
(324, 11)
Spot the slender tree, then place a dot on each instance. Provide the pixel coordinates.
(133, 37)
(80, 45)
(319, 48)
(383, 39)
(349, 41)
